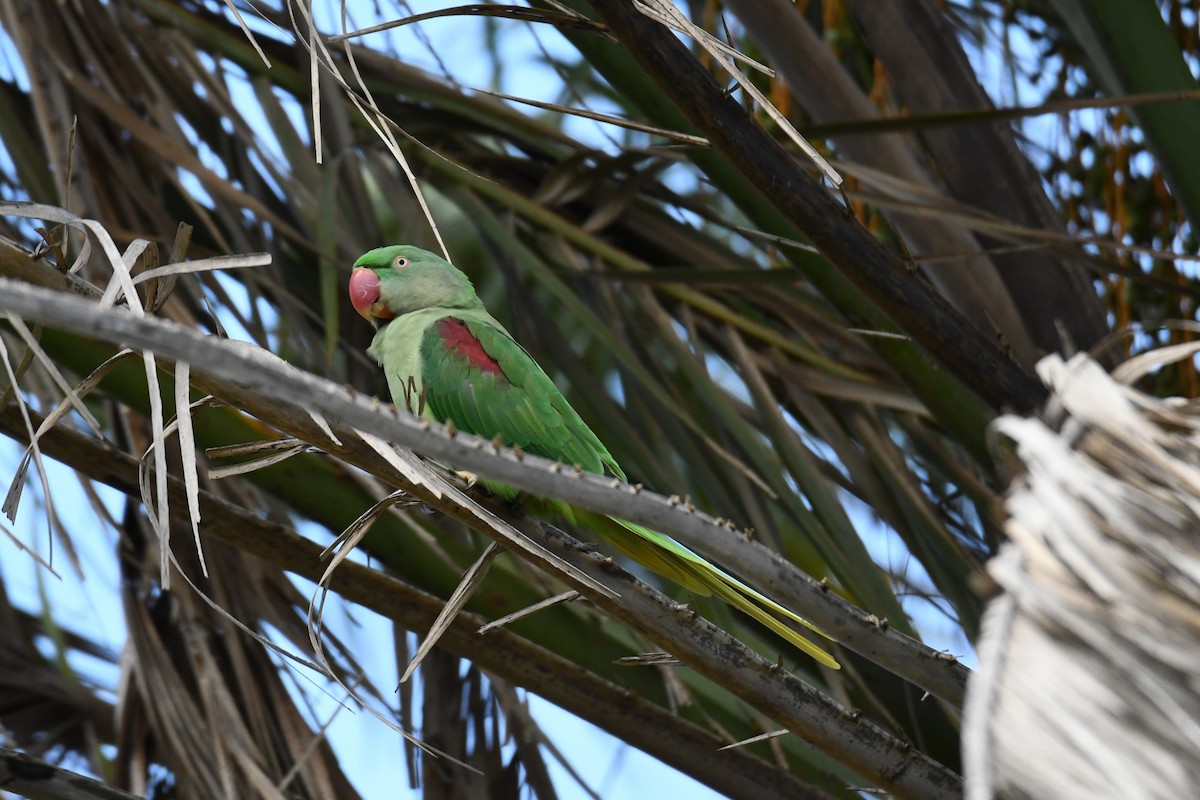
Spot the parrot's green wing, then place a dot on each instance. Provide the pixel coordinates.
(475, 374)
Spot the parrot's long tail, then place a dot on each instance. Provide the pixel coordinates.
(672, 560)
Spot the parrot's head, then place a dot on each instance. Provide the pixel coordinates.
(390, 281)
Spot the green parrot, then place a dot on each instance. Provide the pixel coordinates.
(447, 358)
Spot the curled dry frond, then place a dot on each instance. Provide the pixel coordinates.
(1088, 682)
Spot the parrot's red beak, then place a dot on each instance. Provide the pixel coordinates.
(364, 295)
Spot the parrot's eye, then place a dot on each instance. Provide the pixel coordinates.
(400, 262)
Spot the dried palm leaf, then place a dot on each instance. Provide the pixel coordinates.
(1088, 683)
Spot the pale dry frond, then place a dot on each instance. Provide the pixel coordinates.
(675, 20)
(1088, 683)
(70, 396)
(667, 14)
(277, 456)
(204, 265)
(14, 493)
(250, 37)
(187, 452)
(154, 466)
(24, 548)
(496, 624)
(324, 426)
(762, 737)
(471, 581)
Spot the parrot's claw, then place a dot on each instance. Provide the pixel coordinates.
(468, 478)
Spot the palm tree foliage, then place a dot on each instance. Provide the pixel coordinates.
(832, 400)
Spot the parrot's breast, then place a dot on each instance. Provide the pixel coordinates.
(397, 348)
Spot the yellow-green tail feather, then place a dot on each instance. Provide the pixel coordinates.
(672, 560)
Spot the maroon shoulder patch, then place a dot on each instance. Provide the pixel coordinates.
(459, 339)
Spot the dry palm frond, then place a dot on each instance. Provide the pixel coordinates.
(204, 700)
(496, 624)
(471, 582)
(669, 15)
(1088, 682)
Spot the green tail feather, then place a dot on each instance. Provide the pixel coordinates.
(672, 560)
